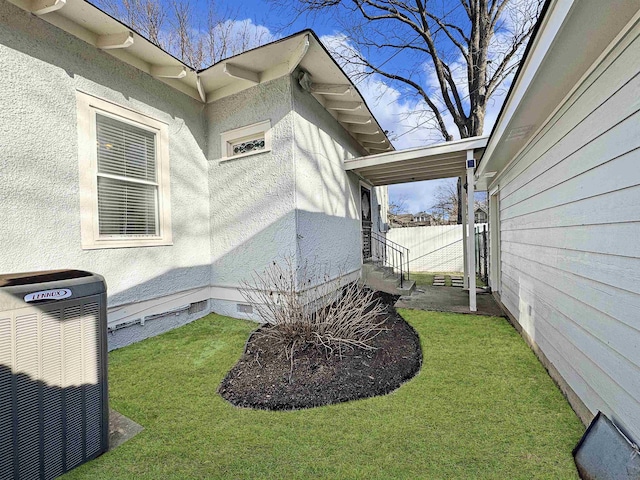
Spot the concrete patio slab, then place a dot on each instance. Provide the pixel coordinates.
(449, 299)
(121, 429)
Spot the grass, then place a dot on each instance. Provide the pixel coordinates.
(426, 278)
(482, 407)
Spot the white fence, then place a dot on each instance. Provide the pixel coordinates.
(432, 249)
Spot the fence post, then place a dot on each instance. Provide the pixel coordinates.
(484, 253)
(476, 252)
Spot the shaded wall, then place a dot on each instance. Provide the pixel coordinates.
(252, 198)
(39, 200)
(569, 215)
(327, 198)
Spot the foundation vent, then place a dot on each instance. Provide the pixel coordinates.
(244, 308)
(197, 307)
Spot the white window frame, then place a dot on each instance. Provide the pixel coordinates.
(88, 107)
(249, 132)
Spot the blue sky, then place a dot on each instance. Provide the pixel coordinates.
(390, 103)
(417, 196)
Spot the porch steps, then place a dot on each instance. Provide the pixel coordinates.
(457, 281)
(384, 280)
(438, 281)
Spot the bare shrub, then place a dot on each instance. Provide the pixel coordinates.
(303, 306)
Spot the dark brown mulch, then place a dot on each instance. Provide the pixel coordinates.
(261, 378)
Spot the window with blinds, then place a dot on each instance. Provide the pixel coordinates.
(127, 179)
(125, 196)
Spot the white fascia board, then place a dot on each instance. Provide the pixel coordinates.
(343, 105)
(379, 150)
(201, 92)
(550, 28)
(331, 89)
(460, 146)
(42, 7)
(241, 73)
(355, 119)
(374, 145)
(369, 129)
(168, 71)
(117, 40)
(299, 54)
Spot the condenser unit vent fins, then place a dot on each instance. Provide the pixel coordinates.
(53, 385)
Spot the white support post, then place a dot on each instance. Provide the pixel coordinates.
(471, 250)
(463, 206)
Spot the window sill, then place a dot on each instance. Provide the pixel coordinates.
(128, 243)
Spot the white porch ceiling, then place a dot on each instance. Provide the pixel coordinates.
(443, 160)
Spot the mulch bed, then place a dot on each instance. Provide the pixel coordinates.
(261, 378)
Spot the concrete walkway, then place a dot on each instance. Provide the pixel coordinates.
(449, 299)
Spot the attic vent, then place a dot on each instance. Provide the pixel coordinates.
(244, 308)
(197, 307)
(247, 140)
(519, 132)
(248, 146)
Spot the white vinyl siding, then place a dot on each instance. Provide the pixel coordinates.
(124, 177)
(570, 238)
(127, 187)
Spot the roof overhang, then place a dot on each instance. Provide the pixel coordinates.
(302, 52)
(443, 160)
(570, 37)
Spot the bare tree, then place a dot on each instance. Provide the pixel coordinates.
(179, 27)
(397, 210)
(469, 47)
(446, 207)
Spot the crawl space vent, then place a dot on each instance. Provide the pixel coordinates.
(244, 308)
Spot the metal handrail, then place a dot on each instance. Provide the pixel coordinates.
(390, 241)
(391, 254)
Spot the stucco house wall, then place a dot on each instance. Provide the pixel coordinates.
(252, 198)
(328, 214)
(230, 216)
(39, 203)
(293, 201)
(569, 223)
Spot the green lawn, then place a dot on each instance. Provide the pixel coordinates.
(426, 278)
(481, 407)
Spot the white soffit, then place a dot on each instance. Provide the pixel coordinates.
(330, 85)
(570, 38)
(442, 160)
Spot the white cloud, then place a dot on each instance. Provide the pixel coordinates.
(405, 117)
(402, 116)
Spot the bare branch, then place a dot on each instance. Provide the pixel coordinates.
(304, 305)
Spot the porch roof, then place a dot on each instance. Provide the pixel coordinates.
(443, 160)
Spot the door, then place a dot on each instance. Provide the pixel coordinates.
(365, 210)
